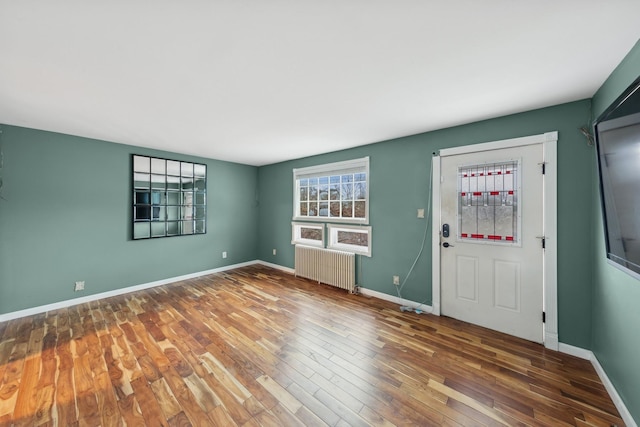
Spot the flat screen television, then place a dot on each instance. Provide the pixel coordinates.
(617, 134)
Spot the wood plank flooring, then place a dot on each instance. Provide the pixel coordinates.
(258, 347)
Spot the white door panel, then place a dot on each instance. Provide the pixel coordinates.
(467, 278)
(492, 269)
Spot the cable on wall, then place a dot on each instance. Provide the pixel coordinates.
(424, 240)
(586, 129)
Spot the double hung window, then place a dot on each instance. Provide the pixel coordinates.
(331, 194)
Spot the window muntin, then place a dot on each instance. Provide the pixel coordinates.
(307, 234)
(488, 203)
(336, 192)
(333, 193)
(355, 239)
(169, 197)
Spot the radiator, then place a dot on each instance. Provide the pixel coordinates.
(328, 266)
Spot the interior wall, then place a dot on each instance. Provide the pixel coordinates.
(616, 318)
(65, 215)
(399, 180)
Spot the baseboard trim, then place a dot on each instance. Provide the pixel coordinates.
(68, 303)
(562, 347)
(397, 300)
(364, 291)
(575, 351)
(608, 385)
(276, 266)
(613, 393)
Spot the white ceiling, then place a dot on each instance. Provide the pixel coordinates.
(259, 82)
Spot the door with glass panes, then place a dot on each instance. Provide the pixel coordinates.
(492, 256)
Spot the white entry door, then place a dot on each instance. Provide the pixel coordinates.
(491, 239)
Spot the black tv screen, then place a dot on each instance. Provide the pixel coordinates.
(617, 133)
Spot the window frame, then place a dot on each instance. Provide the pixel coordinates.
(332, 238)
(360, 165)
(297, 239)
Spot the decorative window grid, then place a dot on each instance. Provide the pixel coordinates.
(336, 192)
(488, 202)
(328, 194)
(169, 197)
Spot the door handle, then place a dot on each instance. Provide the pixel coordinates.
(447, 245)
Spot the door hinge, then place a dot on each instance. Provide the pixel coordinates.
(543, 167)
(544, 317)
(544, 241)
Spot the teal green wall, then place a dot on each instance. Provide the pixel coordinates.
(399, 178)
(66, 216)
(616, 317)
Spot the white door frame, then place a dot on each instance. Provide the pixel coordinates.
(549, 143)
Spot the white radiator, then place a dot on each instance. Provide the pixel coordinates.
(328, 266)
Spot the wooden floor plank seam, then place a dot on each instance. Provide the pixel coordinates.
(259, 347)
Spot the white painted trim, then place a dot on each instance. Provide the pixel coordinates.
(498, 145)
(435, 235)
(332, 239)
(564, 348)
(68, 303)
(608, 385)
(613, 393)
(575, 351)
(296, 238)
(364, 291)
(549, 144)
(396, 300)
(276, 266)
(550, 231)
(551, 341)
(337, 168)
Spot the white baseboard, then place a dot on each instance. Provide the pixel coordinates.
(68, 303)
(608, 385)
(564, 348)
(276, 266)
(613, 393)
(397, 300)
(364, 291)
(575, 351)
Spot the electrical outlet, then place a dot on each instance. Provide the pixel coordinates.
(396, 280)
(79, 286)
(274, 251)
(420, 213)
(224, 254)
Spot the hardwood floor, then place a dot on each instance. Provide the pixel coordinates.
(255, 346)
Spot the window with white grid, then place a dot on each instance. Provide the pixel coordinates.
(335, 192)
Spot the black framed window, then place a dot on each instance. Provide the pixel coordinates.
(169, 197)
